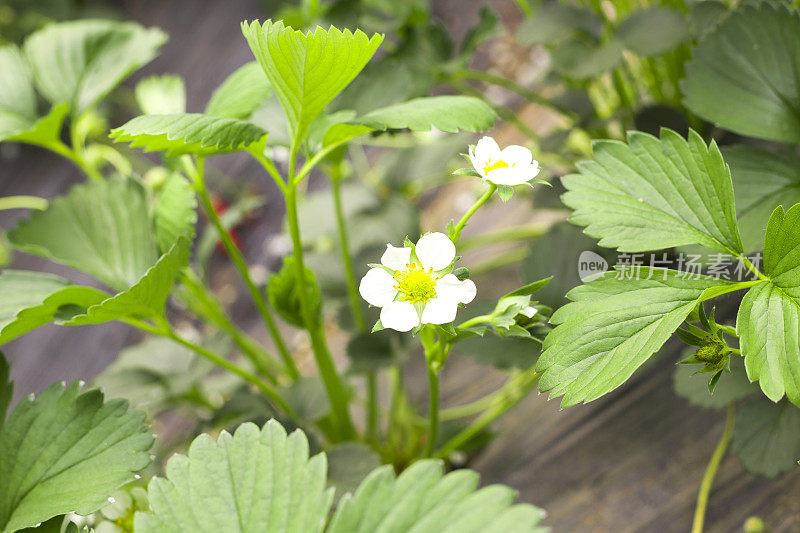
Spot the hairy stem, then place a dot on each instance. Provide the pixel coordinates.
(206, 304)
(166, 331)
(334, 385)
(241, 266)
(711, 470)
(433, 410)
(456, 234)
(508, 396)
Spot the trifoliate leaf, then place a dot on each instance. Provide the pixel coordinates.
(188, 133)
(446, 113)
(641, 306)
(768, 322)
(728, 81)
(29, 300)
(653, 30)
(161, 95)
(308, 70)
(240, 94)
(423, 499)
(651, 194)
(71, 450)
(80, 62)
(255, 480)
(693, 387)
(766, 437)
(175, 212)
(102, 228)
(147, 298)
(762, 181)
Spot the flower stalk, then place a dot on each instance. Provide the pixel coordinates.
(712, 468)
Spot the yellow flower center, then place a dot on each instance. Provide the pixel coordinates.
(494, 166)
(415, 284)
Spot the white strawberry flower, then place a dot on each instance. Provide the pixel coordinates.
(414, 285)
(513, 165)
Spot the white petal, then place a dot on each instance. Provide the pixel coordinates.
(507, 176)
(528, 311)
(435, 250)
(450, 287)
(400, 316)
(396, 258)
(377, 287)
(486, 150)
(439, 311)
(517, 155)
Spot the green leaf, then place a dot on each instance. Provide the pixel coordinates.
(240, 94)
(161, 95)
(423, 499)
(188, 133)
(580, 59)
(614, 325)
(251, 481)
(101, 228)
(29, 300)
(731, 387)
(19, 119)
(652, 194)
(766, 437)
(731, 82)
(768, 322)
(175, 212)
(653, 30)
(308, 70)
(70, 450)
(762, 181)
(147, 298)
(556, 21)
(705, 15)
(80, 62)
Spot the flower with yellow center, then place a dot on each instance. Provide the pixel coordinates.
(420, 290)
(513, 165)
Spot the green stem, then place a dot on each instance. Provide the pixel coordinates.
(241, 266)
(206, 304)
(474, 321)
(166, 331)
(510, 85)
(65, 151)
(711, 470)
(433, 410)
(23, 202)
(344, 249)
(507, 397)
(469, 409)
(333, 383)
(269, 167)
(456, 233)
(746, 262)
